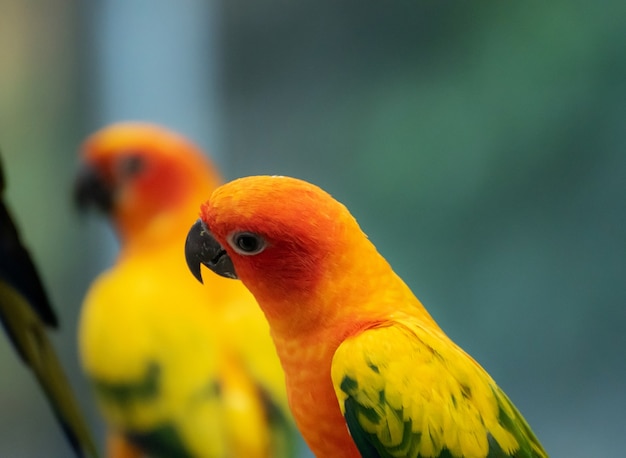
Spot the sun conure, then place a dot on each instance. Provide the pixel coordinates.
(369, 372)
(178, 370)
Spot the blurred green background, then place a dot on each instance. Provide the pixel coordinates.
(480, 145)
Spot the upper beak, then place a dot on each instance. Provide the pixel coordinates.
(90, 188)
(202, 248)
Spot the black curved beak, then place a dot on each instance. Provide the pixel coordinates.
(90, 188)
(202, 248)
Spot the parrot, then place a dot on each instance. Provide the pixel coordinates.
(25, 313)
(369, 373)
(177, 369)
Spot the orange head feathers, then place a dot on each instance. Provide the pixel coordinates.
(296, 231)
(289, 241)
(143, 175)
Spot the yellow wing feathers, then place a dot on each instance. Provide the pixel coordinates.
(408, 391)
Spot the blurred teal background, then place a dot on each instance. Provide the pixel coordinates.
(480, 145)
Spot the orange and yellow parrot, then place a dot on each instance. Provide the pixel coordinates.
(25, 313)
(369, 372)
(178, 370)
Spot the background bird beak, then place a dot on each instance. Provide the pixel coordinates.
(90, 188)
(202, 248)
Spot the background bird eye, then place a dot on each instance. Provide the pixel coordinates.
(247, 243)
(130, 165)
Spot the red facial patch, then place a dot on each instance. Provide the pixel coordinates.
(299, 239)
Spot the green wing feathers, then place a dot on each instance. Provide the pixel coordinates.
(408, 391)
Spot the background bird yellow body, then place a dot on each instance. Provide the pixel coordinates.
(178, 369)
(154, 357)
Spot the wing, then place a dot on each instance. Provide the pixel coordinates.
(407, 391)
(29, 336)
(25, 311)
(18, 269)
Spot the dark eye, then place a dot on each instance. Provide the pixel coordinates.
(130, 165)
(247, 243)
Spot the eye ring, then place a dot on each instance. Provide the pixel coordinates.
(247, 243)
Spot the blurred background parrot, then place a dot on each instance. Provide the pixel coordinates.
(25, 313)
(369, 372)
(178, 370)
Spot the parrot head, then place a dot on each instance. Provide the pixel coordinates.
(139, 174)
(289, 242)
